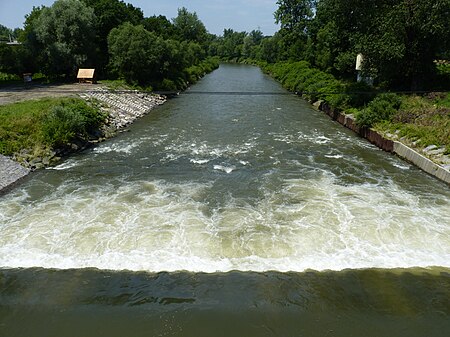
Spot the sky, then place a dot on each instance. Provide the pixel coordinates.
(240, 15)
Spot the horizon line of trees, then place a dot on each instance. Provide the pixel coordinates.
(399, 39)
(109, 35)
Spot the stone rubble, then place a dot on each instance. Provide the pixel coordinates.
(124, 107)
(432, 152)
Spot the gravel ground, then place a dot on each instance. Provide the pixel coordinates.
(11, 94)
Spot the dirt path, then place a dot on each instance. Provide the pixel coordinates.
(12, 94)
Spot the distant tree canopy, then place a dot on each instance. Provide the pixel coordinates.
(188, 26)
(160, 25)
(399, 39)
(110, 35)
(108, 15)
(136, 54)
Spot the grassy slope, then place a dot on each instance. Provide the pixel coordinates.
(39, 125)
(422, 121)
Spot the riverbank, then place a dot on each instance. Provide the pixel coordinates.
(418, 125)
(120, 108)
(389, 145)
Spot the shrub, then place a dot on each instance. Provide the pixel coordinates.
(359, 94)
(168, 85)
(382, 108)
(68, 120)
(61, 125)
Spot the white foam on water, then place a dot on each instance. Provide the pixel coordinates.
(322, 140)
(226, 169)
(160, 226)
(119, 147)
(334, 156)
(199, 161)
(400, 166)
(68, 164)
(202, 151)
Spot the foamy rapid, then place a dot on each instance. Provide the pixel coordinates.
(159, 226)
(210, 183)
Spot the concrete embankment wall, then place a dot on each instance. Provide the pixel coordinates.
(10, 173)
(388, 145)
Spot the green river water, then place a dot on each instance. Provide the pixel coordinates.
(234, 209)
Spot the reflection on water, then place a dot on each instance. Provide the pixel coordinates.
(216, 183)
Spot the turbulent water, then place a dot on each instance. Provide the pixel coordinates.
(220, 179)
(217, 182)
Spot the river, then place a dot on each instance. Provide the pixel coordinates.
(234, 209)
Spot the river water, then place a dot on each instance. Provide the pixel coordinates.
(234, 209)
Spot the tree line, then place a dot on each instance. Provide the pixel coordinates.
(112, 36)
(402, 41)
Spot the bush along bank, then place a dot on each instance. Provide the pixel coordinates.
(176, 82)
(37, 133)
(420, 122)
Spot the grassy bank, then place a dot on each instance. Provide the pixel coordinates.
(41, 129)
(40, 126)
(418, 121)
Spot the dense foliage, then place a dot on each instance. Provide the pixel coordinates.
(112, 36)
(400, 40)
(46, 123)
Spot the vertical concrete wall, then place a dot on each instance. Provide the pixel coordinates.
(422, 162)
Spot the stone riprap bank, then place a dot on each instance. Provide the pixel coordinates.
(124, 106)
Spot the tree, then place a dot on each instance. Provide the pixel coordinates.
(272, 49)
(189, 27)
(399, 39)
(137, 54)
(405, 40)
(5, 33)
(63, 36)
(11, 59)
(110, 14)
(295, 17)
(160, 25)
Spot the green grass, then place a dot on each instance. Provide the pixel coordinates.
(422, 120)
(46, 123)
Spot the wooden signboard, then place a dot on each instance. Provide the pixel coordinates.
(86, 75)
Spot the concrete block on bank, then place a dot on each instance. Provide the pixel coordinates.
(422, 162)
(10, 173)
